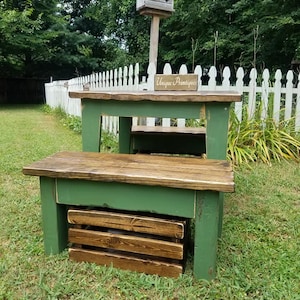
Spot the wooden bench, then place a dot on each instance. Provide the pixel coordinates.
(182, 187)
(175, 140)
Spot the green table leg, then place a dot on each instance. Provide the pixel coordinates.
(217, 115)
(55, 226)
(206, 235)
(91, 126)
(125, 124)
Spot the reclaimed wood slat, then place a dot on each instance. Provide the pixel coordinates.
(175, 172)
(128, 222)
(128, 243)
(126, 262)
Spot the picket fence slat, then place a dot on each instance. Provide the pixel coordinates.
(265, 94)
(284, 92)
(238, 108)
(277, 96)
(297, 122)
(289, 95)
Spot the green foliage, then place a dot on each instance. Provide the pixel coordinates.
(36, 39)
(277, 42)
(195, 123)
(66, 38)
(72, 122)
(109, 142)
(255, 139)
(123, 33)
(17, 30)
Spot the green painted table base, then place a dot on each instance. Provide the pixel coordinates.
(216, 126)
(202, 206)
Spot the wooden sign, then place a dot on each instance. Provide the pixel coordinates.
(176, 82)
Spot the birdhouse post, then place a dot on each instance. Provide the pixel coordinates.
(157, 9)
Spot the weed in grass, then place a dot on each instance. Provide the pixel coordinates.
(109, 142)
(72, 122)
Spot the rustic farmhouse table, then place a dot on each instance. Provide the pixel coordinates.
(165, 104)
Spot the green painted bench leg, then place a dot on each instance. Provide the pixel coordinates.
(55, 227)
(217, 134)
(125, 124)
(206, 234)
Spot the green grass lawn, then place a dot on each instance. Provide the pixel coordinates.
(259, 253)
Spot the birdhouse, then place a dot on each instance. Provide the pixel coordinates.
(155, 7)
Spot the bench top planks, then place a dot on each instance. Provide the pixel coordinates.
(154, 170)
(160, 96)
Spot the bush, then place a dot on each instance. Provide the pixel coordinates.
(255, 139)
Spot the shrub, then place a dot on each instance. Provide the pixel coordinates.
(109, 142)
(255, 139)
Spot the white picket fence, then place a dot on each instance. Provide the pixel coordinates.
(283, 90)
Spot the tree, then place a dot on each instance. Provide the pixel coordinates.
(66, 38)
(123, 32)
(35, 40)
(235, 21)
(16, 32)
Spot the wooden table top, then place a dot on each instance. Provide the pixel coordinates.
(159, 96)
(155, 170)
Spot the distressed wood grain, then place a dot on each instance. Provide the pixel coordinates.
(128, 222)
(126, 262)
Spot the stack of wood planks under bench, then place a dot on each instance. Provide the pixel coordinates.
(179, 187)
(143, 243)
